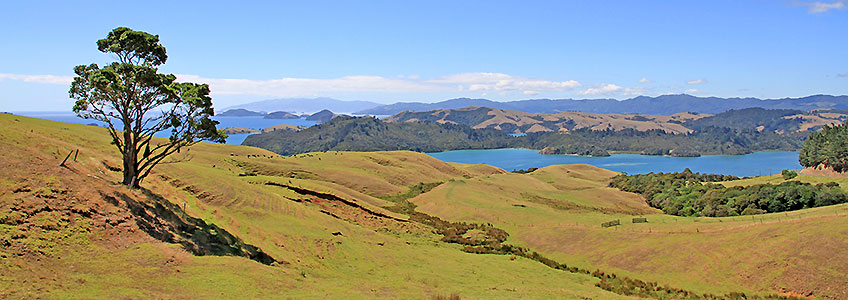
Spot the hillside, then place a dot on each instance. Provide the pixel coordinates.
(776, 120)
(68, 232)
(371, 134)
(237, 221)
(520, 122)
(559, 210)
(773, 120)
(660, 105)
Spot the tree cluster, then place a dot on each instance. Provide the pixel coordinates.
(827, 147)
(694, 194)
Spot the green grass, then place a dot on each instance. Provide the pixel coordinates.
(556, 211)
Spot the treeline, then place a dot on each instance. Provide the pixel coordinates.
(370, 134)
(827, 147)
(694, 194)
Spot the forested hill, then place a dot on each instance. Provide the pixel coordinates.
(660, 105)
(371, 134)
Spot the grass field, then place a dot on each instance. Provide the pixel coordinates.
(559, 213)
(364, 261)
(324, 218)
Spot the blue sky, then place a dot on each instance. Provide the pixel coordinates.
(390, 51)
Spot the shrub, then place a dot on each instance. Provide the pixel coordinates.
(788, 174)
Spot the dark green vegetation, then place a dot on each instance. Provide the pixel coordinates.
(710, 140)
(828, 148)
(370, 134)
(128, 95)
(751, 118)
(693, 194)
(786, 174)
(529, 170)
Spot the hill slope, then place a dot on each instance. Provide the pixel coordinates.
(520, 122)
(68, 232)
(346, 225)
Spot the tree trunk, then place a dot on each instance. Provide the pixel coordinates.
(130, 171)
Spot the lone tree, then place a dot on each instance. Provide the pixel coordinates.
(136, 102)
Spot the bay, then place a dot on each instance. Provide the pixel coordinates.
(754, 164)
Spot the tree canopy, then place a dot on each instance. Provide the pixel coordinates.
(135, 102)
(827, 147)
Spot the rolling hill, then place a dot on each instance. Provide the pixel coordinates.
(520, 122)
(229, 221)
(511, 121)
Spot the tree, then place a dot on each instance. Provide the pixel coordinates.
(828, 147)
(788, 174)
(136, 102)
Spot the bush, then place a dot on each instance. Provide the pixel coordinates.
(788, 174)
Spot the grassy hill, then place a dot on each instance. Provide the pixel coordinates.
(559, 215)
(69, 232)
(370, 225)
(512, 121)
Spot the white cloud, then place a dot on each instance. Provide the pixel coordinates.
(462, 84)
(465, 82)
(635, 91)
(296, 87)
(697, 81)
(49, 79)
(843, 75)
(603, 89)
(503, 83)
(644, 80)
(822, 7)
(692, 91)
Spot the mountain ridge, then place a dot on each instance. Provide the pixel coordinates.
(660, 105)
(305, 105)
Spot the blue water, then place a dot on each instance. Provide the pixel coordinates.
(257, 123)
(754, 164)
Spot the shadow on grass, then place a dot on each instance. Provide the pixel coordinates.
(167, 222)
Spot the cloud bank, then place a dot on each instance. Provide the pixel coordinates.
(462, 84)
(49, 79)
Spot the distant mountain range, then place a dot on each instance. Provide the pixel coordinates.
(660, 105)
(305, 105)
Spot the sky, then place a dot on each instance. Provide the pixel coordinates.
(428, 51)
